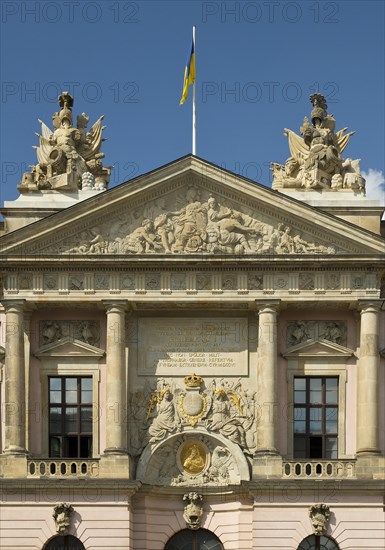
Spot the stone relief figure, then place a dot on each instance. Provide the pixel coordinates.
(51, 332)
(316, 160)
(332, 332)
(197, 227)
(224, 407)
(301, 331)
(164, 421)
(298, 333)
(220, 462)
(86, 331)
(222, 420)
(69, 158)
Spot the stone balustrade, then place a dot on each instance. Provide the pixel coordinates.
(62, 468)
(326, 469)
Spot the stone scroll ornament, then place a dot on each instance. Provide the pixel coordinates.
(201, 224)
(316, 161)
(62, 515)
(69, 157)
(193, 510)
(319, 517)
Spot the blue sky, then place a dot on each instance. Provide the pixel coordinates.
(257, 64)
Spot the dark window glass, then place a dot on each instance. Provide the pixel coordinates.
(64, 543)
(316, 417)
(70, 417)
(317, 542)
(194, 540)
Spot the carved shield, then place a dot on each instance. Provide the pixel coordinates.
(192, 405)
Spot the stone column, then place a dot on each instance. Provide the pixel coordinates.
(116, 428)
(14, 378)
(267, 378)
(368, 379)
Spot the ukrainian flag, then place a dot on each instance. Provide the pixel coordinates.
(189, 72)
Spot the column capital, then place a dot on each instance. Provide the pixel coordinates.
(115, 306)
(267, 306)
(371, 305)
(15, 305)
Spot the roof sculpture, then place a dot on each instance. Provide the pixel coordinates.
(316, 161)
(69, 157)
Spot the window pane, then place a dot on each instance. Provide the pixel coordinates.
(86, 390)
(300, 397)
(86, 419)
(315, 420)
(331, 390)
(86, 384)
(71, 419)
(55, 420)
(300, 384)
(55, 383)
(299, 447)
(299, 420)
(55, 396)
(315, 384)
(55, 447)
(315, 390)
(85, 446)
(331, 447)
(71, 390)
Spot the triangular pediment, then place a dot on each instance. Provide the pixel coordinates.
(186, 208)
(69, 347)
(318, 348)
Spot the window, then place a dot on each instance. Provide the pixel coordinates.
(316, 417)
(194, 540)
(64, 543)
(316, 542)
(70, 417)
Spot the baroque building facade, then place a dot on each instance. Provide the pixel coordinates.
(191, 360)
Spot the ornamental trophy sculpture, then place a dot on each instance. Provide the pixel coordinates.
(316, 161)
(69, 157)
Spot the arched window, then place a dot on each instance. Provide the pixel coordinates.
(64, 543)
(194, 540)
(316, 542)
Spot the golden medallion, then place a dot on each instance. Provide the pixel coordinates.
(193, 457)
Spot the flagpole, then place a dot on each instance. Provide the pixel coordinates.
(194, 105)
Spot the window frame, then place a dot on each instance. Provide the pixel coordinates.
(81, 369)
(64, 405)
(308, 406)
(323, 366)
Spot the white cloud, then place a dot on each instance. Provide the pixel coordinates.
(375, 185)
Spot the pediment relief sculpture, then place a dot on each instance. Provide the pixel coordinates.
(87, 331)
(193, 222)
(224, 407)
(303, 331)
(316, 160)
(69, 157)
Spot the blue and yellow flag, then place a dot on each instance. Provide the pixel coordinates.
(189, 72)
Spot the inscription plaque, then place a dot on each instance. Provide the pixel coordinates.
(179, 346)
